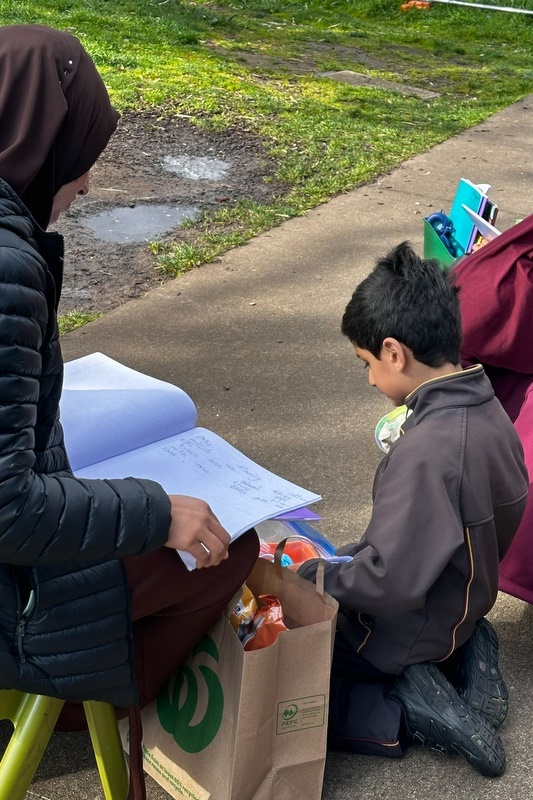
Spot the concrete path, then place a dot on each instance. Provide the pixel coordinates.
(254, 339)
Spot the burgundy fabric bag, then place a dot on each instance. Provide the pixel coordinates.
(516, 569)
(496, 299)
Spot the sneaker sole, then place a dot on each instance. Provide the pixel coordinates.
(479, 681)
(437, 717)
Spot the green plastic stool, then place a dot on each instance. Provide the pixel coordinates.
(34, 717)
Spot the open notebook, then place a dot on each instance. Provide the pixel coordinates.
(119, 422)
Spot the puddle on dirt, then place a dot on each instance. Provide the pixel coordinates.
(197, 168)
(142, 223)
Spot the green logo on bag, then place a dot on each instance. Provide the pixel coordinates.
(290, 711)
(177, 703)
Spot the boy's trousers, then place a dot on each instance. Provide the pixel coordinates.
(362, 717)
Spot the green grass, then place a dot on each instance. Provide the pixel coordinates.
(255, 63)
(75, 319)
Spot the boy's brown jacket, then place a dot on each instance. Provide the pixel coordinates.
(448, 498)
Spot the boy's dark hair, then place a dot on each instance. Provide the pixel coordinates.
(412, 300)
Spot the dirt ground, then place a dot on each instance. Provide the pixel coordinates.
(100, 275)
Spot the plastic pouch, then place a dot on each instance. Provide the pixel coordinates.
(388, 429)
(268, 623)
(243, 616)
(308, 542)
(267, 550)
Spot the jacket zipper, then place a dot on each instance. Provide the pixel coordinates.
(22, 626)
(21, 634)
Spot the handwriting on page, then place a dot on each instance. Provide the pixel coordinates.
(146, 428)
(197, 453)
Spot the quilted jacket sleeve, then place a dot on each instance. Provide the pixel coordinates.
(54, 518)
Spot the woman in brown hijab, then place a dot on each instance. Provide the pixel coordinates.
(56, 114)
(94, 601)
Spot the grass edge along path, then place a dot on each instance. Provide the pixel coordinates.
(255, 65)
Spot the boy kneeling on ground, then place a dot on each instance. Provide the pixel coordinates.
(414, 658)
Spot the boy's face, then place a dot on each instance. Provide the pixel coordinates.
(385, 373)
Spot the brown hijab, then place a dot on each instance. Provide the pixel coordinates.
(55, 113)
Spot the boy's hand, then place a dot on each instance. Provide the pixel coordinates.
(330, 560)
(296, 567)
(195, 529)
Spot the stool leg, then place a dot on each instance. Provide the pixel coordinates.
(34, 723)
(10, 701)
(108, 750)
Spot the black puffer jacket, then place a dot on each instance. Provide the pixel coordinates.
(59, 536)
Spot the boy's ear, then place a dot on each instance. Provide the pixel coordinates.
(395, 352)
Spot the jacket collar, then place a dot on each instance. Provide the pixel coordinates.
(49, 244)
(469, 387)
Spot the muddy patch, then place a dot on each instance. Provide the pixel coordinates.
(154, 174)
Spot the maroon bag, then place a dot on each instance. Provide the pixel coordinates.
(516, 569)
(496, 300)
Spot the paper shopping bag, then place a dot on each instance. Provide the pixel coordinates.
(236, 725)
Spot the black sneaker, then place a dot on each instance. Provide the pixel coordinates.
(477, 677)
(436, 716)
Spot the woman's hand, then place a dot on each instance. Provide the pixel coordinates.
(195, 529)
